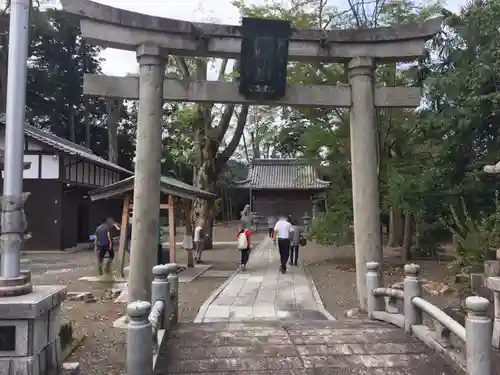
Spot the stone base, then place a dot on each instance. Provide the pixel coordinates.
(493, 283)
(121, 322)
(29, 332)
(70, 368)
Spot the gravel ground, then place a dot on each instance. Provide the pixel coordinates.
(103, 351)
(333, 271)
(335, 266)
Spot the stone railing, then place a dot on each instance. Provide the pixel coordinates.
(383, 304)
(493, 284)
(148, 322)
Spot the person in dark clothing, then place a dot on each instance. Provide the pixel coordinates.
(295, 235)
(271, 222)
(129, 236)
(159, 253)
(104, 244)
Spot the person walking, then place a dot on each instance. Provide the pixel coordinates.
(296, 234)
(104, 244)
(282, 234)
(199, 240)
(159, 252)
(244, 244)
(271, 222)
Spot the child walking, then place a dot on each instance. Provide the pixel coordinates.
(244, 244)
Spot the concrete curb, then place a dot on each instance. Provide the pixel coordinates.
(54, 252)
(317, 297)
(202, 268)
(204, 308)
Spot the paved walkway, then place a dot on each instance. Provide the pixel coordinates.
(261, 292)
(262, 322)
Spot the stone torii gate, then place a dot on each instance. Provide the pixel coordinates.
(154, 38)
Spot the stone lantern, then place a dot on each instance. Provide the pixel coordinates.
(255, 221)
(307, 220)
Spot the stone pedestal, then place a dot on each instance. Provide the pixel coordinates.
(478, 280)
(29, 332)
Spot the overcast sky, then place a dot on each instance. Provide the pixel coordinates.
(119, 63)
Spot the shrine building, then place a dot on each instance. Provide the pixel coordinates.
(59, 174)
(284, 187)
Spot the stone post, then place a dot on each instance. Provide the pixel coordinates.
(139, 339)
(161, 291)
(365, 187)
(173, 281)
(372, 282)
(478, 333)
(495, 340)
(493, 284)
(412, 288)
(147, 172)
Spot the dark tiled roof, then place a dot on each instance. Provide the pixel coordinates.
(282, 174)
(66, 146)
(168, 185)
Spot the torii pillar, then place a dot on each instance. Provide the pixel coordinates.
(145, 220)
(365, 187)
(111, 27)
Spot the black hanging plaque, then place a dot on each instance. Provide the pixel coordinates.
(264, 58)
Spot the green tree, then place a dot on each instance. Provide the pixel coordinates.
(213, 144)
(323, 134)
(58, 60)
(458, 124)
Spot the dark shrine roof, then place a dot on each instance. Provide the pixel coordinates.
(168, 185)
(289, 174)
(66, 146)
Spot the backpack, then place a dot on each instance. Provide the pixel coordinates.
(302, 241)
(242, 241)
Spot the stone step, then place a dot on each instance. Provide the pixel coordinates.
(347, 347)
(260, 325)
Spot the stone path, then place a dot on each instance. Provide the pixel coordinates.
(261, 292)
(296, 348)
(40, 264)
(262, 322)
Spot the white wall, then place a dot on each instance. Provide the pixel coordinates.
(50, 166)
(50, 163)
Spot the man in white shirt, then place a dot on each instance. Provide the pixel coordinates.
(282, 231)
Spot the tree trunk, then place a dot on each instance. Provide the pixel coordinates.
(396, 228)
(87, 122)
(113, 107)
(3, 82)
(4, 56)
(205, 180)
(72, 127)
(408, 237)
(187, 242)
